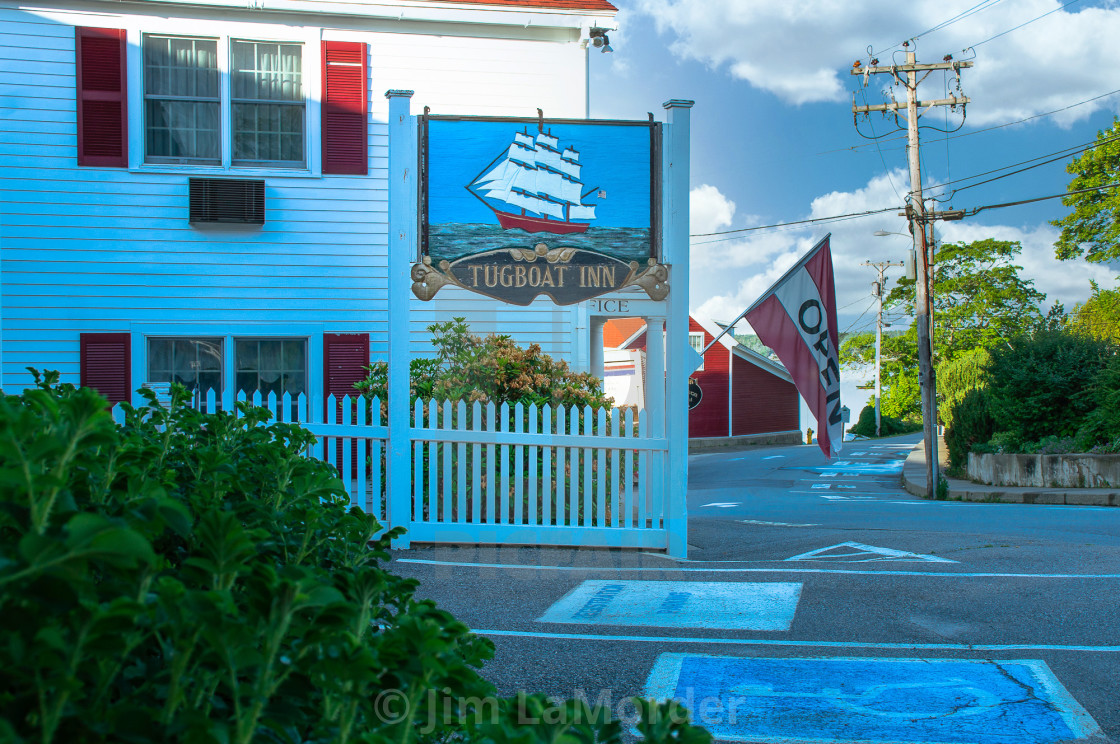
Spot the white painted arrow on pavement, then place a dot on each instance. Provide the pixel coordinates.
(853, 552)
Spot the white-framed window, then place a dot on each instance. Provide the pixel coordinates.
(696, 341)
(192, 361)
(182, 100)
(267, 106)
(224, 101)
(261, 364)
(271, 365)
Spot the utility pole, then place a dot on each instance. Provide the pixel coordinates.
(877, 291)
(906, 75)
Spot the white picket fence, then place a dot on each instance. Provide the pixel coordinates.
(487, 474)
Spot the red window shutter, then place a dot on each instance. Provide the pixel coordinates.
(345, 358)
(102, 100)
(345, 103)
(106, 364)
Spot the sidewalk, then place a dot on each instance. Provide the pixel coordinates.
(914, 481)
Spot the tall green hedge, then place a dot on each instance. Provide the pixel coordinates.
(196, 579)
(963, 403)
(1040, 385)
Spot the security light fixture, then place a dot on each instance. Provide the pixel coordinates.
(600, 40)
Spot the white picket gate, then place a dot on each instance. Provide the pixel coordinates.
(486, 474)
(535, 476)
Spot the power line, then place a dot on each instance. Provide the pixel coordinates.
(857, 320)
(834, 218)
(1052, 158)
(983, 5)
(855, 215)
(1025, 23)
(981, 131)
(977, 210)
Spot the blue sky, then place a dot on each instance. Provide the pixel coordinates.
(774, 141)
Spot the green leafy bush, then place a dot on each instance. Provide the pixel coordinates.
(1040, 384)
(963, 404)
(1102, 424)
(972, 425)
(494, 368)
(195, 578)
(888, 425)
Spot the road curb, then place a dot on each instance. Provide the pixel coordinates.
(914, 481)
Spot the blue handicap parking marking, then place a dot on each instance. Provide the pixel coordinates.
(902, 701)
(737, 605)
(849, 468)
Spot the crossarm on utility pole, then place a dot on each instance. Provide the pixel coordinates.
(908, 67)
(897, 106)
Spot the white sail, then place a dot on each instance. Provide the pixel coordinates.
(501, 171)
(535, 176)
(550, 158)
(569, 169)
(543, 206)
(522, 155)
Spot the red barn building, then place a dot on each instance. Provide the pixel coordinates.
(743, 394)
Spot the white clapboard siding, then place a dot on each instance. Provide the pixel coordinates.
(526, 475)
(110, 249)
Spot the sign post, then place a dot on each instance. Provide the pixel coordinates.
(402, 249)
(675, 216)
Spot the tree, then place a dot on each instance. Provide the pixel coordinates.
(979, 301)
(1092, 230)
(1099, 316)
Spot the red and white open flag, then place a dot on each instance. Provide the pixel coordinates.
(797, 319)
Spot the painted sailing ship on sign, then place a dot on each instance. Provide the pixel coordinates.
(536, 187)
(515, 208)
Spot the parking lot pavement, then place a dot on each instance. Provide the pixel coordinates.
(801, 618)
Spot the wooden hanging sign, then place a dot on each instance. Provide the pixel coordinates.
(519, 208)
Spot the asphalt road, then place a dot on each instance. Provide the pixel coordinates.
(819, 603)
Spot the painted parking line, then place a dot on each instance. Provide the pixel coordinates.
(796, 643)
(902, 701)
(768, 570)
(775, 524)
(740, 605)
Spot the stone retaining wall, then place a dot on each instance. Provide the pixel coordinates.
(1045, 471)
(709, 444)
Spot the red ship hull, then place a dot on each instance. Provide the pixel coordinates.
(539, 224)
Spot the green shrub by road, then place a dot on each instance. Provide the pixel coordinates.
(1050, 391)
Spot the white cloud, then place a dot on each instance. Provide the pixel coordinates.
(802, 51)
(709, 210)
(1066, 282)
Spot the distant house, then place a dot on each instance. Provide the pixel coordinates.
(743, 394)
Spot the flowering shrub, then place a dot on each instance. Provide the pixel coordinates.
(494, 368)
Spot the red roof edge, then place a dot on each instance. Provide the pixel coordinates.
(543, 4)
